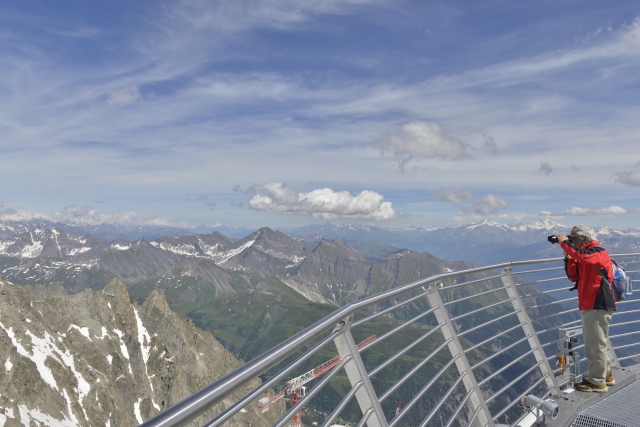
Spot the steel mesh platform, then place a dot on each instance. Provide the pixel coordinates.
(620, 409)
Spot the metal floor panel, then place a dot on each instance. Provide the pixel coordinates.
(620, 409)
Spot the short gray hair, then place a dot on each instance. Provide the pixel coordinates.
(583, 230)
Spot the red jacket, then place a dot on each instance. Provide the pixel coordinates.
(590, 269)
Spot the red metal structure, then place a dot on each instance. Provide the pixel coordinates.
(294, 387)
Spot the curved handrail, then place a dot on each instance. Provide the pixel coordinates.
(198, 403)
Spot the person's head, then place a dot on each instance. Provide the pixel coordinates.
(581, 235)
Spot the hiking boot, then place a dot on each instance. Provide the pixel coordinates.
(609, 379)
(585, 385)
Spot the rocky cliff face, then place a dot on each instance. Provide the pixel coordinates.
(96, 359)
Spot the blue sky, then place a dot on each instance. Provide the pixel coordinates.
(283, 113)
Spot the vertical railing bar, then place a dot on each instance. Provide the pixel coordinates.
(421, 393)
(534, 341)
(235, 408)
(412, 371)
(460, 406)
(404, 350)
(356, 372)
(315, 390)
(345, 401)
(509, 347)
(442, 400)
(456, 349)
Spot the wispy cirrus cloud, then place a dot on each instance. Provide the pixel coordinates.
(124, 96)
(321, 203)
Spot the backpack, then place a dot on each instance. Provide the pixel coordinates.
(620, 282)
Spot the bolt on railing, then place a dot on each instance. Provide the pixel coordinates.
(473, 346)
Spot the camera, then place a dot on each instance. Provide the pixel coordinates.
(554, 239)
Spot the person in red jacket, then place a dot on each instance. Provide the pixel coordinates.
(589, 267)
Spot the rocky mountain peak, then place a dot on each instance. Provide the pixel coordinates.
(157, 300)
(336, 248)
(96, 359)
(118, 291)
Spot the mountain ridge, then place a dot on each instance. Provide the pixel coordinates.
(96, 358)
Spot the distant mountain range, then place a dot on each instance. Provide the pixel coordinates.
(333, 264)
(486, 242)
(190, 268)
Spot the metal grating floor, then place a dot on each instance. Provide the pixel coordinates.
(620, 409)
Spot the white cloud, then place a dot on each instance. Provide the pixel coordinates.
(609, 211)
(88, 215)
(424, 139)
(487, 205)
(322, 203)
(630, 177)
(453, 195)
(124, 96)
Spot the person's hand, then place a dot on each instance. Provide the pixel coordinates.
(561, 237)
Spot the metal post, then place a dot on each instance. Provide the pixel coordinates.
(462, 363)
(530, 331)
(366, 395)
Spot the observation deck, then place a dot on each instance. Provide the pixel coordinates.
(461, 348)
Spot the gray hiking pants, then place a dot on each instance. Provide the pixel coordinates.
(595, 326)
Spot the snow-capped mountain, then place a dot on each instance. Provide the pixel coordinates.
(96, 359)
(189, 267)
(486, 242)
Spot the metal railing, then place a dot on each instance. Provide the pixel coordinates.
(457, 348)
